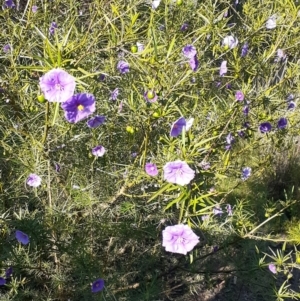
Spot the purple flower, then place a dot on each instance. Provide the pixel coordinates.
(205, 217)
(291, 106)
(189, 51)
(280, 55)
(96, 121)
(205, 165)
(246, 110)
(179, 239)
(22, 237)
(123, 67)
(98, 151)
(282, 123)
(229, 209)
(34, 180)
(52, 28)
(150, 96)
(79, 107)
(97, 285)
(57, 167)
(290, 97)
(194, 63)
(241, 133)
(8, 4)
(114, 94)
(178, 172)
(57, 85)
(8, 272)
(223, 68)
(177, 127)
(151, 169)
(6, 48)
(245, 49)
(101, 77)
(230, 139)
(272, 268)
(184, 26)
(2, 281)
(230, 42)
(246, 173)
(265, 127)
(239, 96)
(34, 8)
(217, 211)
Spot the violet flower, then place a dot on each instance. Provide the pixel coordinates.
(33, 180)
(291, 106)
(223, 68)
(246, 110)
(8, 4)
(282, 123)
(178, 172)
(151, 169)
(34, 8)
(114, 94)
(239, 96)
(57, 85)
(150, 96)
(6, 48)
(79, 107)
(246, 173)
(189, 51)
(229, 210)
(184, 26)
(245, 48)
(52, 28)
(97, 285)
(98, 151)
(8, 272)
(22, 237)
(217, 211)
(265, 127)
(179, 239)
(123, 67)
(177, 127)
(194, 63)
(96, 121)
(2, 281)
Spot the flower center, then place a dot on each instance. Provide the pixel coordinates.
(80, 107)
(59, 87)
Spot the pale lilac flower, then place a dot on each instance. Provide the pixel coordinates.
(123, 67)
(97, 285)
(2, 281)
(280, 56)
(272, 268)
(52, 28)
(271, 22)
(177, 127)
(155, 4)
(6, 48)
(34, 180)
(205, 217)
(194, 63)
(114, 94)
(189, 124)
(282, 123)
(8, 4)
(151, 169)
(245, 48)
(22, 237)
(34, 8)
(57, 85)
(205, 165)
(179, 239)
(217, 211)
(96, 121)
(98, 151)
(150, 96)
(229, 209)
(140, 46)
(79, 107)
(239, 96)
(290, 97)
(230, 139)
(178, 172)
(265, 127)
(223, 68)
(246, 173)
(189, 51)
(230, 42)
